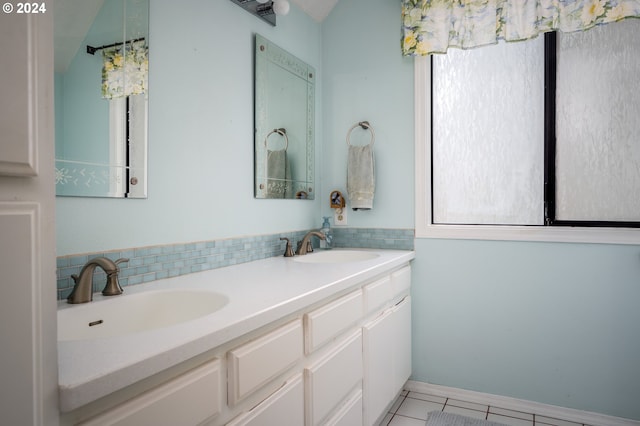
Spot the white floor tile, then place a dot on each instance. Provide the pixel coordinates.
(418, 408)
(465, 411)
(427, 397)
(414, 408)
(467, 405)
(511, 413)
(511, 421)
(542, 420)
(405, 421)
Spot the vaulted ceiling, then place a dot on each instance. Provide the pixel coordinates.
(73, 18)
(317, 9)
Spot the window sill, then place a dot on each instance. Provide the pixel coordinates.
(531, 233)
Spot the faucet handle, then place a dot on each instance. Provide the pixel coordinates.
(113, 288)
(288, 251)
(121, 260)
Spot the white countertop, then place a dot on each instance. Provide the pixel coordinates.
(259, 293)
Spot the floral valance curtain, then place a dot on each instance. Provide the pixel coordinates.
(432, 26)
(125, 70)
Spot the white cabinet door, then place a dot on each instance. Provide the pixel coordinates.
(284, 407)
(18, 90)
(28, 371)
(387, 358)
(402, 336)
(378, 379)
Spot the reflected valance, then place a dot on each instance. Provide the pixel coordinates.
(125, 70)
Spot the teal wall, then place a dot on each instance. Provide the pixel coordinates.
(200, 137)
(548, 322)
(367, 78)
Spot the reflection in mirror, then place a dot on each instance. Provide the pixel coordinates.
(284, 118)
(101, 97)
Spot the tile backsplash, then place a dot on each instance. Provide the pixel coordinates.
(376, 238)
(158, 262)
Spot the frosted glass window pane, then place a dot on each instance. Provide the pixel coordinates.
(488, 135)
(598, 124)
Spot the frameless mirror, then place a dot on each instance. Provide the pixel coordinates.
(284, 120)
(101, 97)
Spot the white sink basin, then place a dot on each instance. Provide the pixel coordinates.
(126, 314)
(336, 256)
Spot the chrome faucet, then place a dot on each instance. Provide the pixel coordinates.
(305, 245)
(83, 289)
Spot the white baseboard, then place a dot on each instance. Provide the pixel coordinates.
(569, 414)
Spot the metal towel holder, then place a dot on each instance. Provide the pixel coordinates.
(282, 132)
(365, 126)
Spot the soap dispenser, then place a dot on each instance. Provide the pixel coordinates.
(328, 235)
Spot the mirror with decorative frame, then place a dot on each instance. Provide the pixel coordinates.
(101, 97)
(284, 124)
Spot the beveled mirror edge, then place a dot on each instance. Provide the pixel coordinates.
(76, 177)
(267, 50)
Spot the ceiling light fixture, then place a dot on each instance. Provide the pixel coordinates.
(265, 9)
(280, 7)
(261, 9)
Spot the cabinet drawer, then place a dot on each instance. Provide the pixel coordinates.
(401, 281)
(187, 400)
(327, 322)
(252, 365)
(329, 381)
(285, 406)
(377, 294)
(350, 414)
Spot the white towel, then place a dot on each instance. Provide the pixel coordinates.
(361, 183)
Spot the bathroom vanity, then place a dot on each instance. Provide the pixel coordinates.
(299, 341)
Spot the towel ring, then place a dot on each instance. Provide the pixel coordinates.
(366, 126)
(282, 132)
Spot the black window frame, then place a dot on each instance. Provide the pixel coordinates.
(549, 173)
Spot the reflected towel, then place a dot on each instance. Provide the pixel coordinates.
(278, 174)
(361, 177)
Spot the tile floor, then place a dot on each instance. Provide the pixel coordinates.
(411, 408)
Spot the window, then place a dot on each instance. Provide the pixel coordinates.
(508, 161)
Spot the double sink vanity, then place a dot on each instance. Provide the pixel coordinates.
(323, 338)
(320, 338)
